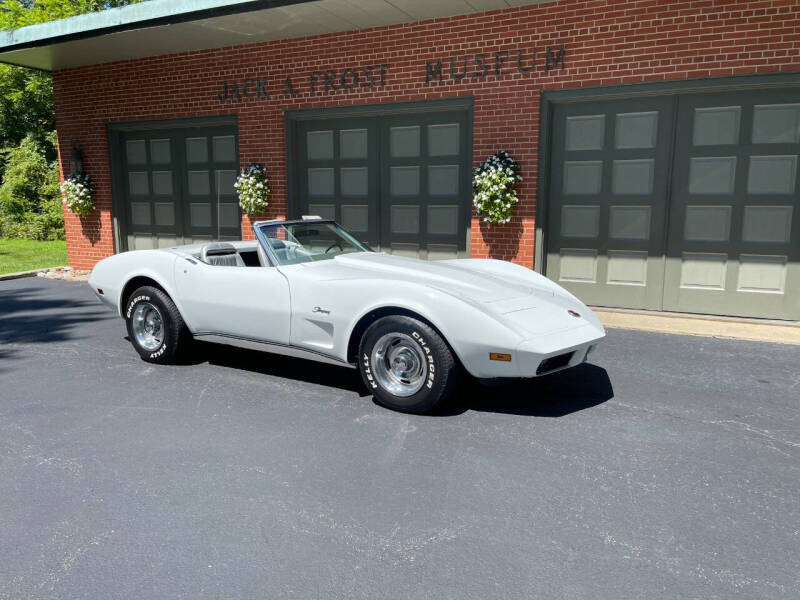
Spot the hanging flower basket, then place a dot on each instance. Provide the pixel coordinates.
(77, 193)
(252, 188)
(493, 183)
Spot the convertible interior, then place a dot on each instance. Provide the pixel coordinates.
(288, 244)
(226, 254)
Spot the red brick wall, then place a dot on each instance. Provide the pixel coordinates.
(607, 43)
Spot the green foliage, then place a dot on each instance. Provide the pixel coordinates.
(26, 108)
(30, 203)
(19, 13)
(26, 96)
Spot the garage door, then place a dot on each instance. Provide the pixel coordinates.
(399, 183)
(178, 186)
(734, 240)
(684, 203)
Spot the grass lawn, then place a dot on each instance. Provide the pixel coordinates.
(24, 255)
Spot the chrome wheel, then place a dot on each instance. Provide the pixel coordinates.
(148, 326)
(398, 364)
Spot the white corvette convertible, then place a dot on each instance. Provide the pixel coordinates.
(308, 288)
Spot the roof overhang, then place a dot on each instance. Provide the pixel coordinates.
(159, 27)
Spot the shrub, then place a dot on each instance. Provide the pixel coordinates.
(30, 203)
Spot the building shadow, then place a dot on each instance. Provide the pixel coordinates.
(35, 313)
(30, 315)
(553, 395)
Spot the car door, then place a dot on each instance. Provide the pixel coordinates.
(244, 302)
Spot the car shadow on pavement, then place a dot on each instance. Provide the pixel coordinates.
(278, 366)
(553, 395)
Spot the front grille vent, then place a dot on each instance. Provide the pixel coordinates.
(553, 363)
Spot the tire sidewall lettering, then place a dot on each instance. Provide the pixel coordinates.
(134, 302)
(368, 372)
(131, 305)
(431, 379)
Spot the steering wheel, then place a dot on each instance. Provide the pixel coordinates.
(334, 245)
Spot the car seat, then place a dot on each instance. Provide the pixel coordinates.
(221, 254)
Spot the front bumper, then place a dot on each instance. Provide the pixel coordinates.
(538, 356)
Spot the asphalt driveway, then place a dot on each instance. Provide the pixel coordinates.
(669, 468)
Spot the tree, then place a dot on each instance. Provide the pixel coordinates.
(19, 13)
(26, 95)
(27, 119)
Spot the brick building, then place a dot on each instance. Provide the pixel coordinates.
(658, 140)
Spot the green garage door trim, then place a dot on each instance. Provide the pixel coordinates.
(172, 181)
(396, 174)
(706, 230)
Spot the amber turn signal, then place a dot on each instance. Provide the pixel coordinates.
(499, 356)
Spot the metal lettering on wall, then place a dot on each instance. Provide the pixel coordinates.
(318, 82)
(481, 66)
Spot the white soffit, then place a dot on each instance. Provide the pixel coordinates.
(160, 27)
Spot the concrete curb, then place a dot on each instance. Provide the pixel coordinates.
(22, 274)
(70, 275)
(753, 330)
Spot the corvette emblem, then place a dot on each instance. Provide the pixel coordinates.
(322, 311)
(573, 313)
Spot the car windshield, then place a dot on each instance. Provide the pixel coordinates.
(292, 243)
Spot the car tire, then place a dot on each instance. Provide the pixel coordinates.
(155, 326)
(406, 365)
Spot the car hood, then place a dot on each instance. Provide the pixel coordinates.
(443, 275)
(516, 297)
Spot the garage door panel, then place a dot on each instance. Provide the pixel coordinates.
(776, 124)
(580, 221)
(164, 214)
(629, 222)
(767, 224)
(636, 130)
(770, 175)
(578, 265)
(585, 132)
(716, 125)
(355, 218)
(627, 267)
(161, 151)
(608, 201)
(136, 152)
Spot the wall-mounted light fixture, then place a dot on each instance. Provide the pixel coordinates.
(76, 161)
